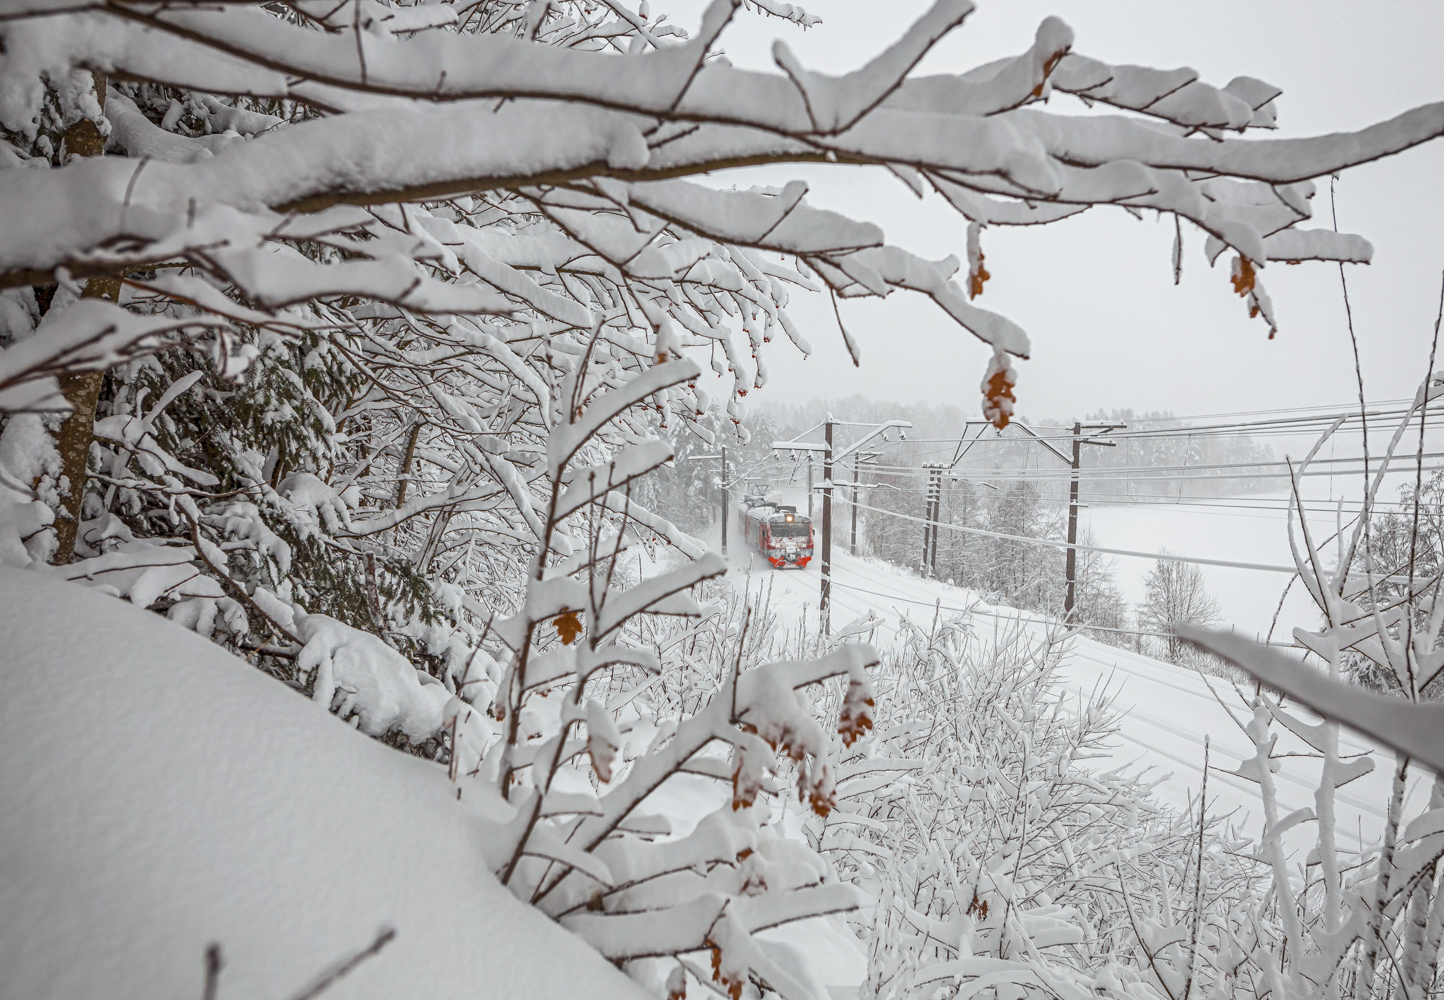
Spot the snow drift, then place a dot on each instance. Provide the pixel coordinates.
(161, 795)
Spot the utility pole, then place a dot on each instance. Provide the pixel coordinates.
(824, 606)
(1070, 594)
(927, 523)
(937, 517)
(724, 499)
(930, 526)
(829, 461)
(936, 474)
(934, 494)
(857, 459)
(1075, 463)
(1071, 572)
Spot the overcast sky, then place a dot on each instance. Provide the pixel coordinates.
(1095, 293)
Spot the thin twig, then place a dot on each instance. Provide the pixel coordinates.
(1198, 878)
(1359, 376)
(1409, 653)
(214, 964)
(338, 972)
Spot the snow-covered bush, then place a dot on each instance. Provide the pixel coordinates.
(586, 855)
(1001, 859)
(1367, 925)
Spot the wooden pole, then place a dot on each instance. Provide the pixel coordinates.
(724, 499)
(927, 524)
(930, 517)
(824, 606)
(937, 517)
(1072, 565)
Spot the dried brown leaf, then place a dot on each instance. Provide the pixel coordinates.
(569, 627)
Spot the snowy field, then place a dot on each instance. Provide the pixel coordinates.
(1242, 532)
(1251, 528)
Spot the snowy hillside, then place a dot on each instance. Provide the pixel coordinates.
(1169, 709)
(138, 829)
(275, 831)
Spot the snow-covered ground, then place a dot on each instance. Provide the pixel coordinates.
(159, 795)
(1239, 531)
(1168, 710)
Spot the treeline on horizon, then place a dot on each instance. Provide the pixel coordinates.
(1011, 455)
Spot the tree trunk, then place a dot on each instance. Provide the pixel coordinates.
(404, 479)
(73, 440)
(81, 389)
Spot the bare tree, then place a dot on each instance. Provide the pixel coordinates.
(1175, 592)
(1101, 603)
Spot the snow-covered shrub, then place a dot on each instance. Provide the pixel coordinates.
(29, 483)
(1001, 859)
(575, 838)
(1369, 924)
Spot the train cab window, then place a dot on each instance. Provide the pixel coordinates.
(789, 529)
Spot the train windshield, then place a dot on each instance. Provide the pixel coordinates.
(789, 529)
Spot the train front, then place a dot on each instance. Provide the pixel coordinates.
(790, 540)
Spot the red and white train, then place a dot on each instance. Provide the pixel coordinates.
(780, 533)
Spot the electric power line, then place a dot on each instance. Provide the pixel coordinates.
(1106, 550)
(1131, 474)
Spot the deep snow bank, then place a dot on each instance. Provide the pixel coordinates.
(158, 794)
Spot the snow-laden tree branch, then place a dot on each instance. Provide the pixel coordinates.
(499, 112)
